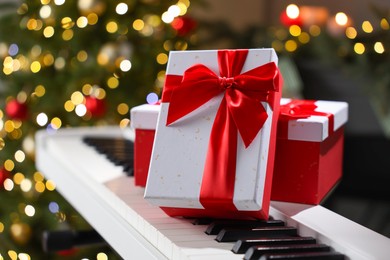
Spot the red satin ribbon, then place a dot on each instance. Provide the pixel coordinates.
(240, 111)
(298, 109)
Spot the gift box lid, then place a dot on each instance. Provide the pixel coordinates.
(326, 117)
(144, 116)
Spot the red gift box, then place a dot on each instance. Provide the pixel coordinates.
(143, 121)
(309, 150)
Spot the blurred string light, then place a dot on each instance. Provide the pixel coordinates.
(367, 27)
(292, 11)
(384, 24)
(13, 49)
(59, 2)
(125, 65)
(8, 184)
(29, 210)
(42, 119)
(359, 48)
(20, 156)
(54, 207)
(24, 256)
(121, 8)
(26, 185)
(112, 82)
(341, 19)
(12, 254)
(123, 109)
(152, 98)
(295, 30)
(124, 123)
(9, 165)
(379, 48)
(18, 178)
(162, 58)
(50, 185)
(45, 11)
(101, 256)
(81, 110)
(351, 33)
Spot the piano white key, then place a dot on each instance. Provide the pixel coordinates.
(215, 257)
(205, 253)
(202, 248)
(78, 152)
(183, 231)
(205, 244)
(168, 220)
(173, 226)
(165, 245)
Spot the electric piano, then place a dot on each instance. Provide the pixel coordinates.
(105, 195)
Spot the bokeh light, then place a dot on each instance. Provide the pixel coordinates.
(341, 18)
(359, 48)
(292, 11)
(379, 48)
(152, 98)
(42, 119)
(121, 8)
(29, 210)
(54, 207)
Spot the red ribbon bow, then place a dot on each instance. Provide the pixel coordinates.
(298, 109)
(240, 111)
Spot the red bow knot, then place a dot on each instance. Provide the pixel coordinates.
(225, 82)
(300, 109)
(297, 109)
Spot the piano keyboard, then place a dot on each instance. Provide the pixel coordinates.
(104, 193)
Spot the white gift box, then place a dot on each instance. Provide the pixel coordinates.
(179, 151)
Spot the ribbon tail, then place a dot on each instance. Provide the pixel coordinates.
(249, 115)
(217, 189)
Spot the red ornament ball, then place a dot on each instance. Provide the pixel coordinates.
(183, 25)
(16, 110)
(96, 107)
(68, 252)
(4, 174)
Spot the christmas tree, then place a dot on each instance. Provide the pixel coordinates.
(71, 63)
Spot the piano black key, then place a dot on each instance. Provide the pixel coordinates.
(255, 252)
(241, 246)
(234, 234)
(129, 170)
(215, 227)
(118, 150)
(203, 221)
(304, 256)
